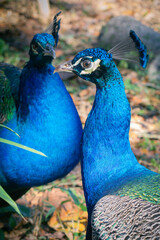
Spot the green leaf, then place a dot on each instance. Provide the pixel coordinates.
(2, 140)
(50, 213)
(83, 207)
(74, 197)
(1, 125)
(25, 211)
(4, 195)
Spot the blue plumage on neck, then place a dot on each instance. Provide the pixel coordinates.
(107, 160)
(33, 82)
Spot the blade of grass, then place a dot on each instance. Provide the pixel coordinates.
(2, 140)
(74, 197)
(4, 195)
(1, 125)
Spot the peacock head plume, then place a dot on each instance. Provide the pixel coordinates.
(93, 63)
(42, 46)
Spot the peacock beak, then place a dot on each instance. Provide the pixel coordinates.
(65, 67)
(49, 51)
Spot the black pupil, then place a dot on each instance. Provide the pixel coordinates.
(86, 63)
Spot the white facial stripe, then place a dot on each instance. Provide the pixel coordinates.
(96, 64)
(34, 50)
(78, 61)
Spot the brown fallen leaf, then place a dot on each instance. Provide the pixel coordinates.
(134, 80)
(75, 99)
(128, 12)
(68, 216)
(136, 99)
(83, 92)
(144, 151)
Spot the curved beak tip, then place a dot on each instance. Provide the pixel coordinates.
(50, 51)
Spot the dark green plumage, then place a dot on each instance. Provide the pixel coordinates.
(9, 86)
(146, 188)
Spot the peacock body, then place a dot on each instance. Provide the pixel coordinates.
(44, 116)
(122, 197)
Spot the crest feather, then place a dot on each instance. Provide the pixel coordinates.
(126, 50)
(54, 28)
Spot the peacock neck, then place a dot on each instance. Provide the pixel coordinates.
(33, 83)
(106, 153)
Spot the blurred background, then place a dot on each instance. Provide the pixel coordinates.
(57, 210)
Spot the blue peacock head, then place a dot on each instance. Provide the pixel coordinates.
(90, 64)
(42, 46)
(93, 63)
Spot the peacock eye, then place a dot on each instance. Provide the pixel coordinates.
(35, 46)
(86, 64)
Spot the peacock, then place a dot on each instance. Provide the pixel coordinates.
(37, 106)
(122, 196)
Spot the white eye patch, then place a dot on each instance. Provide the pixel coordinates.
(79, 60)
(76, 63)
(96, 64)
